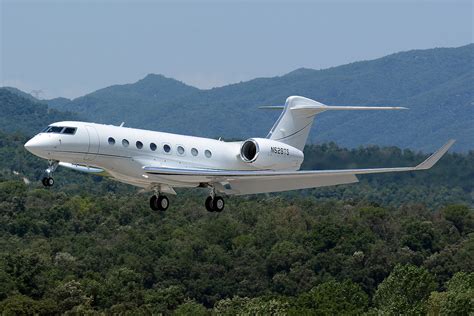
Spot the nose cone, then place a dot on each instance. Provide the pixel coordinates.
(34, 146)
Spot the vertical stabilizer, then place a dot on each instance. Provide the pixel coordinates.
(294, 124)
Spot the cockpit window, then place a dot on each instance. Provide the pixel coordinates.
(60, 129)
(55, 129)
(69, 130)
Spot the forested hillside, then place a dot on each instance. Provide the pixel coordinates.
(85, 253)
(436, 84)
(20, 113)
(392, 244)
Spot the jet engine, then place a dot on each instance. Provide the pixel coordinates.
(263, 153)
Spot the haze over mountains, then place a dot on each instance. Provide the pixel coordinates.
(436, 84)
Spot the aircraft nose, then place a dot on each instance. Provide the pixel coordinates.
(34, 145)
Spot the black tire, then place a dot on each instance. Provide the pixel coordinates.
(44, 181)
(153, 204)
(162, 203)
(209, 204)
(218, 204)
(50, 182)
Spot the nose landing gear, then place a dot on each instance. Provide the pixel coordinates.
(48, 180)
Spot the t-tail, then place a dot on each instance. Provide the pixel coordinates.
(294, 123)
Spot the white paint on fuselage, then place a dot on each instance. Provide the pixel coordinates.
(90, 146)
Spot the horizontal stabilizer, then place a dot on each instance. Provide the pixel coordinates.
(331, 107)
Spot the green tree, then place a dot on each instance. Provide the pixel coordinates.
(70, 294)
(461, 217)
(24, 305)
(405, 290)
(283, 255)
(26, 269)
(7, 284)
(251, 306)
(190, 307)
(161, 300)
(458, 299)
(418, 235)
(332, 298)
(123, 285)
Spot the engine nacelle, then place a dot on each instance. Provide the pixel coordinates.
(265, 153)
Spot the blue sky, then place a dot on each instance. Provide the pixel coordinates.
(70, 48)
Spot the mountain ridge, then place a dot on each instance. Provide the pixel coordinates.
(27, 115)
(436, 84)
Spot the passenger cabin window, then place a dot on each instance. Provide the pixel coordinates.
(166, 148)
(125, 143)
(194, 152)
(180, 150)
(139, 144)
(153, 146)
(208, 153)
(111, 141)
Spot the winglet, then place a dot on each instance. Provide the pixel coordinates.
(433, 159)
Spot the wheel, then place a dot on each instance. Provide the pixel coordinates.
(47, 181)
(162, 202)
(218, 204)
(159, 203)
(153, 204)
(209, 204)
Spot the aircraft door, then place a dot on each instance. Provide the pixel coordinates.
(94, 143)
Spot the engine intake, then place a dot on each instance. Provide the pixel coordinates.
(263, 153)
(249, 150)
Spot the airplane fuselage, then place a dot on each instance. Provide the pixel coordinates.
(122, 152)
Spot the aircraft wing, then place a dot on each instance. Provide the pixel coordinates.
(251, 182)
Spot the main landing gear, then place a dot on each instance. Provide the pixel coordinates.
(159, 202)
(214, 203)
(48, 180)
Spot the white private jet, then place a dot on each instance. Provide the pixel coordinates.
(160, 162)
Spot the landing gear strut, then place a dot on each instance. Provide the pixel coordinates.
(159, 202)
(48, 180)
(214, 203)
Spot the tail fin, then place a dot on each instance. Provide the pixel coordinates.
(294, 123)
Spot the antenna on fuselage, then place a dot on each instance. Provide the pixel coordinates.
(121, 125)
